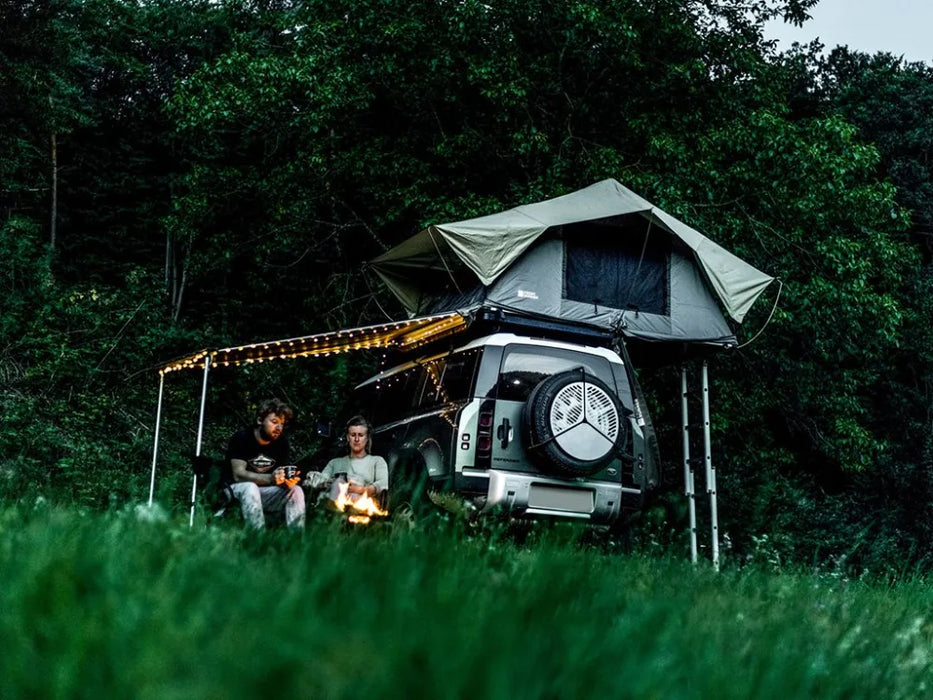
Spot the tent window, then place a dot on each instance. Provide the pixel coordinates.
(604, 264)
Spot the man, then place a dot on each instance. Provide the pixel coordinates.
(263, 480)
(364, 473)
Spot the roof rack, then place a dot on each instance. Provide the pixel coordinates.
(504, 319)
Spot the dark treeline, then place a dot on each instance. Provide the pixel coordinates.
(177, 174)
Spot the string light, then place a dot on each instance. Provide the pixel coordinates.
(405, 335)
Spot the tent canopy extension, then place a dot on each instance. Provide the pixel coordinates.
(600, 256)
(398, 335)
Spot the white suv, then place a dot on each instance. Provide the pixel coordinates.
(532, 426)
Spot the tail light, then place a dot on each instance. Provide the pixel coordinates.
(484, 436)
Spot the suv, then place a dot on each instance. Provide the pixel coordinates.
(534, 427)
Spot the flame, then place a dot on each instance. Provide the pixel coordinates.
(361, 506)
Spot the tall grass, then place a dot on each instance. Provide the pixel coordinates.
(113, 606)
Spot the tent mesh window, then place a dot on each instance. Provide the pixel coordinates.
(622, 263)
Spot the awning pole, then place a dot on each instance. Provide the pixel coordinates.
(197, 449)
(689, 490)
(710, 469)
(155, 446)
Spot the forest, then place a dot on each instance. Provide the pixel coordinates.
(182, 174)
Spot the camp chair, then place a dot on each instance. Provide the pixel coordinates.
(212, 483)
(215, 491)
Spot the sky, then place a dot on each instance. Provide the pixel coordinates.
(901, 27)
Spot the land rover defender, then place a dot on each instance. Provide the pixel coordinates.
(532, 426)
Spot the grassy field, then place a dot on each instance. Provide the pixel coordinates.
(110, 605)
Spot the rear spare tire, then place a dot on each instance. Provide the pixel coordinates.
(572, 424)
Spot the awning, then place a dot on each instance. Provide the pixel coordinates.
(400, 335)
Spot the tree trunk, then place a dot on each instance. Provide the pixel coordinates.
(169, 269)
(176, 312)
(54, 206)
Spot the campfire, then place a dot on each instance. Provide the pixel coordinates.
(360, 508)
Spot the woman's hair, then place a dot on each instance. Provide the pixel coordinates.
(360, 421)
(276, 406)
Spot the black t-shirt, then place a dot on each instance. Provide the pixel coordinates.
(262, 459)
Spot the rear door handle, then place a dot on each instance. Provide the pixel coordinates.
(504, 433)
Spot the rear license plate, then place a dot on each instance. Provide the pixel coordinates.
(560, 498)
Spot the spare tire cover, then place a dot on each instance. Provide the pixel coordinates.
(572, 424)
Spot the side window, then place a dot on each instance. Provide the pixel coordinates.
(448, 378)
(459, 375)
(432, 391)
(523, 368)
(391, 398)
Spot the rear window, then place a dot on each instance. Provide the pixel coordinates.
(524, 366)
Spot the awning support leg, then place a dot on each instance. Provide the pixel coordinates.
(197, 449)
(155, 446)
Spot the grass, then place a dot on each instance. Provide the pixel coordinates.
(110, 605)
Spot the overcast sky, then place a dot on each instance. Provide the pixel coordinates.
(901, 27)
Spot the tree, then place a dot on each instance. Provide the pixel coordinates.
(888, 101)
(42, 86)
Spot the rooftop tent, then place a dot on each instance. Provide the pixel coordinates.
(600, 256)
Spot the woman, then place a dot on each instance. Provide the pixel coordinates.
(364, 473)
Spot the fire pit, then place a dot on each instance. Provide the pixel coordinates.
(359, 508)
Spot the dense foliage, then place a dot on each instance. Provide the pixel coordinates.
(177, 174)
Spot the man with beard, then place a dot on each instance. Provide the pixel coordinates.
(263, 481)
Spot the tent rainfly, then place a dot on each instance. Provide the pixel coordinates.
(600, 256)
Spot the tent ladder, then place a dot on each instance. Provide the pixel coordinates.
(689, 486)
(709, 469)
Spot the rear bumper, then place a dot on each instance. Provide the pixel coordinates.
(534, 495)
